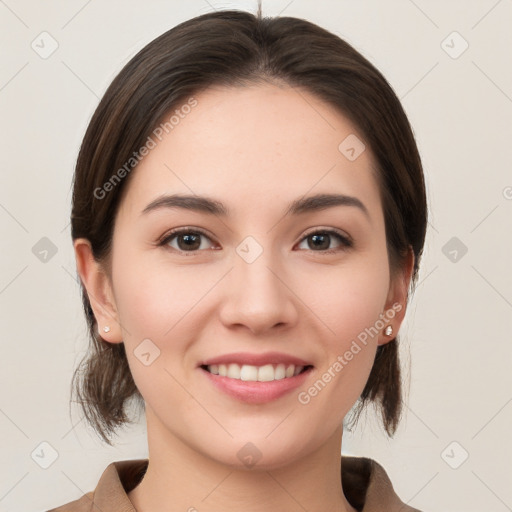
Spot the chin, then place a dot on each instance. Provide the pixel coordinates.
(260, 453)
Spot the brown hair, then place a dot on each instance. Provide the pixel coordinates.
(236, 48)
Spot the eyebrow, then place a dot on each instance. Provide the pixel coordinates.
(211, 206)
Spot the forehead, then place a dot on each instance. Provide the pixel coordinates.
(254, 144)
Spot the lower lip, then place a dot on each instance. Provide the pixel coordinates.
(257, 392)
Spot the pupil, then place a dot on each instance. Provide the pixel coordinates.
(319, 237)
(189, 241)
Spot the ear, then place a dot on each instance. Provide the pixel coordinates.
(396, 302)
(99, 290)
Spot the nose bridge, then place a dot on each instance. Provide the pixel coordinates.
(257, 296)
(254, 273)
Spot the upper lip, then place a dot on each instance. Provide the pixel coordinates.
(242, 358)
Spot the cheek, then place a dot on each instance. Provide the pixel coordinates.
(349, 350)
(153, 298)
(155, 309)
(349, 304)
(348, 300)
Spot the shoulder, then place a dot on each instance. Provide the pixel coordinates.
(83, 504)
(368, 487)
(110, 494)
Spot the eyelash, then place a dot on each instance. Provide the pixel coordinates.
(346, 242)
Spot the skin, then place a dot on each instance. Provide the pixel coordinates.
(256, 149)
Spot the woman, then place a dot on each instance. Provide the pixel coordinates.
(248, 218)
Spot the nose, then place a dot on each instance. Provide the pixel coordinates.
(258, 296)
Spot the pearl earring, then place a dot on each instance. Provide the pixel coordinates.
(106, 328)
(388, 331)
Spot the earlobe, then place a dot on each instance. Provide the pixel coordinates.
(99, 290)
(396, 303)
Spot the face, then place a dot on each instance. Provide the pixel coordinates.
(257, 284)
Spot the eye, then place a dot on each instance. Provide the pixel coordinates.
(188, 240)
(321, 240)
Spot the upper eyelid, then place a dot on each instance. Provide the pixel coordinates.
(338, 232)
(179, 231)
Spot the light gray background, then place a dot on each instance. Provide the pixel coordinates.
(456, 340)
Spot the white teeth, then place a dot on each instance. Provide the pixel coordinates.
(252, 373)
(248, 372)
(265, 373)
(280, 372)
(233, 371)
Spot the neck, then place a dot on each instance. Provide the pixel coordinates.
(180, 476)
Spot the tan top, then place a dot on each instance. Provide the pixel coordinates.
(366, 486)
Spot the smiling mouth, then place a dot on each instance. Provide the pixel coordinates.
(250, 373)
